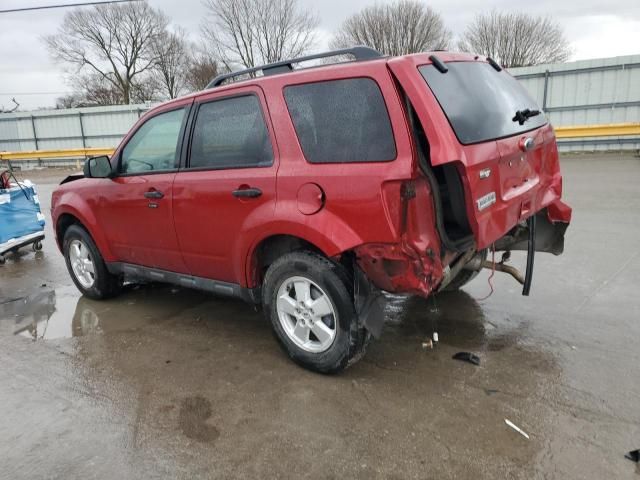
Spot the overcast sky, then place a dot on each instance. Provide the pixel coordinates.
(595, 29)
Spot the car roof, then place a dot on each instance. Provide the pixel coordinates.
(416, 58)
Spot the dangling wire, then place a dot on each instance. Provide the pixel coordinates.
(434, 324)
(493, 271)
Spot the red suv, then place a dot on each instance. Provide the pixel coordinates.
(311, 190)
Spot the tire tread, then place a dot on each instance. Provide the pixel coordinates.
(301, 260)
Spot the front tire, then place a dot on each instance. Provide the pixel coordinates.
(309, 302)
(86, 266)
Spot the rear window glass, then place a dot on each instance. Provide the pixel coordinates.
(481, 102)
(341, 121)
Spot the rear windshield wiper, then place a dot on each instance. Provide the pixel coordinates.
(523, 115)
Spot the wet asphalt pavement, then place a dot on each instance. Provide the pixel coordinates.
(171, 383)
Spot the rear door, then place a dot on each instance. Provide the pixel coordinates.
(228, 185)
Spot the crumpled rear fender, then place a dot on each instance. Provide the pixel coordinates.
(394, 269)
(414, 265)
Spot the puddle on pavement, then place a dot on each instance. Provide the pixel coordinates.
(50, 314)
(46, 314)
(457, 317)
(192, 419)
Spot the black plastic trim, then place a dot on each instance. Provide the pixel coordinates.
(494, 64)
(139, 272)
(440, 66)
(531, 252)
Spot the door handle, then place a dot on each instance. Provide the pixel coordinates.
(153, 194)
(247, 193)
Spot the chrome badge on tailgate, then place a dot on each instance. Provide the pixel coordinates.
(486, 200)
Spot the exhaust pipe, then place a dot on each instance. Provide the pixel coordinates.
(477, 264)
(501, 267)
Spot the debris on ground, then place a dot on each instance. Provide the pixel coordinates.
(427, 344)
(516, 428)
(633, 455)
(467, 357)
(491, 391)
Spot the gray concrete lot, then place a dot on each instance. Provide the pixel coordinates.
(171, 383)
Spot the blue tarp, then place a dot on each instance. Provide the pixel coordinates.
(19, 212)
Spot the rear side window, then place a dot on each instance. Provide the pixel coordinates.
(481, 102)
(231, 133)
(341, 121)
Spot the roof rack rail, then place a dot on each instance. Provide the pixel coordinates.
(284, 66)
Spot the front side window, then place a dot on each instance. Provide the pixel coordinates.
(154, 145)
(231, 133)
(341, 121)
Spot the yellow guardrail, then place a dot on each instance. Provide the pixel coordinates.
(610, 130)
(68, 153)
(572, 131)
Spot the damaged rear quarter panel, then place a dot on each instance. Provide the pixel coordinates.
(414, 264)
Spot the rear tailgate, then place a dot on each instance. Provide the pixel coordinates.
(510, 183)
(509, 168)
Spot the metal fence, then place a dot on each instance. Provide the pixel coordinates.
(66, 129)
(588, 92)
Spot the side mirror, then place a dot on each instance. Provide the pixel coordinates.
(97, 167)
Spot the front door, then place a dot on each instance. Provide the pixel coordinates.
(135, 208)
(227, 188)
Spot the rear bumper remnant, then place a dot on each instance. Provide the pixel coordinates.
(551, 225)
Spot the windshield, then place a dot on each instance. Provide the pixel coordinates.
(481, 102)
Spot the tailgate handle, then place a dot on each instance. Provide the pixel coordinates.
(247, 193)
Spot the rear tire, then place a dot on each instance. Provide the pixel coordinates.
(309, 301)
(86, 266)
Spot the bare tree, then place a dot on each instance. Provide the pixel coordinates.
(516, 39)
(254, 32)
(147, 89)
(91, 90)
(201, 70)
(71, 100)
(113, 41)
(15, 107)
(405, 26)
(94, 90)
(171, 51)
